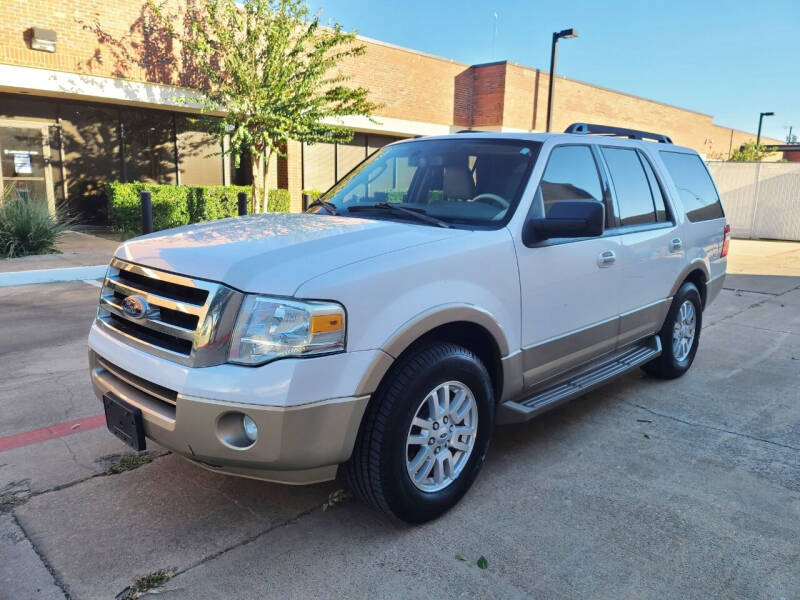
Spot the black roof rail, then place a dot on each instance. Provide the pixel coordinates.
(633, 134)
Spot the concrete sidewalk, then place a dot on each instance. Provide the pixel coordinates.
(77, 250)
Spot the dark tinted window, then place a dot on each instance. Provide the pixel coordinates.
(655, 188)
(699, 196)
(630, 183)
(571, 174)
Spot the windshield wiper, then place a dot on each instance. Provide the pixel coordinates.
(417, 213)
(329, 207)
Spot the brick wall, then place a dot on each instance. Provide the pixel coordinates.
(523, 100)
(488, 95)
(122, 39)
(114, 39)
(407, 85)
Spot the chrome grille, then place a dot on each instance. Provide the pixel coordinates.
(188, 320)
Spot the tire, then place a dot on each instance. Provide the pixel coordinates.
(675, 361)
(379, 470)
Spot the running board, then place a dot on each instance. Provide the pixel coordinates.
(583, 380)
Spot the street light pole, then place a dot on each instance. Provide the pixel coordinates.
(566, 33)
(760, 119)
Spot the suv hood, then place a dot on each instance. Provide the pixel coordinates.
(274, 253)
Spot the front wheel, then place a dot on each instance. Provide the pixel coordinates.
(425, 433)
(680, 334)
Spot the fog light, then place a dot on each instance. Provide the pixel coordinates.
(250, 428)
(236, 430)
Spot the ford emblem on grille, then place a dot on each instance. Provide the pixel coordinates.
(135, 307)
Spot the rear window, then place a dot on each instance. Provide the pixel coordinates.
(699, 196)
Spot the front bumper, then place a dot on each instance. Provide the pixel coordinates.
(297, 444)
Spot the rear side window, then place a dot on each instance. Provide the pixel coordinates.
(634, 194)
(655, 187)
(699, 196)
(571, 174)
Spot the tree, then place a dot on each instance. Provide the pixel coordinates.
(272, 73)
(751, 152)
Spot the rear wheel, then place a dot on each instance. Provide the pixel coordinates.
(425, 433)
(680, 334)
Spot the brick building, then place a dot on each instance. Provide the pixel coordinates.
(105, 106)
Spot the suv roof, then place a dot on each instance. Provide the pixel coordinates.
(585, 132)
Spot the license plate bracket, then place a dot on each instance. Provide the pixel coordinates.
(124, 421)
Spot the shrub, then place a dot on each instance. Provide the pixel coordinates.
(176, 205)
(211, 202)
(313, 193)
(435, 196)
(27, 227)
(396, 195)
(750, 152)
(170, 205)
(279, 201)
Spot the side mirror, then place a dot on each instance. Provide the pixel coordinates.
(571, 219)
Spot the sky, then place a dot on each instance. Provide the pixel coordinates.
(731, 59)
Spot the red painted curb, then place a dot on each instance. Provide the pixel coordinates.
(36, 436)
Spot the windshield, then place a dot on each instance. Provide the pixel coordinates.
(469, 181)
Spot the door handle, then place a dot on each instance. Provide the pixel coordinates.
(606, 258)
(675, 244)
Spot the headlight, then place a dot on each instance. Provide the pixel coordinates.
(269, 328)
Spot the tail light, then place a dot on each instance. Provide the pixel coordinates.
(726, 241)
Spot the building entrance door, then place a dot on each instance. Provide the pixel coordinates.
(25, 163)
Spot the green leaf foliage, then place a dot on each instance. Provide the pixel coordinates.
(170, 205)
(27, 227)
(313, 193)
(176, 205)
(279, 200)
(483, 563)
(750, 152)
(273, 71)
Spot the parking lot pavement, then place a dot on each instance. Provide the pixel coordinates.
(648, 489)
(44, 381)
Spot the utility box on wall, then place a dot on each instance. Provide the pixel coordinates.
(43, 39)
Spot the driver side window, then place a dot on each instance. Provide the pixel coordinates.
(571, 174)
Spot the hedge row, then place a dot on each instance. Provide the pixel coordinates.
(176, 205)
(391, 195)
(313, 193)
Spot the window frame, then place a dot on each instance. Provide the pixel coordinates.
(605, 188)
(669, 213)
(670, 216)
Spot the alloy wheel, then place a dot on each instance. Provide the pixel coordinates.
(442, 436)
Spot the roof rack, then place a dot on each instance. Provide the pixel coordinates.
(633, 134)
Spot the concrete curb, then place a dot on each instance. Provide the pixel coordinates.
(52, 275)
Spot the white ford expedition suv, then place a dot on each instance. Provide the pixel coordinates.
(443, 285)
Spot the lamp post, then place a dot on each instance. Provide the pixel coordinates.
(760, 119)
(566, 34)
